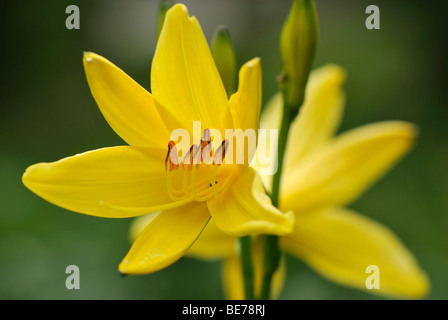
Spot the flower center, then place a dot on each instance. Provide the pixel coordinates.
(195, 174)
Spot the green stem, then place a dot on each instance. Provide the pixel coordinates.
(271, 250)
(247, 266)
(287, 118)
(271, 261)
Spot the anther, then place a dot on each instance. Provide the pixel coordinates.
(206, 135)
(171, 157)
(206, 144)
(192, 161)
(220, 154)
(216, 182)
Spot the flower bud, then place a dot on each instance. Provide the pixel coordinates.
(224, 56)
(298, 44)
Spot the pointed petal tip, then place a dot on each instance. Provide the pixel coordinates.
(178, 12)
(403, 129)
(417, 286)
(28, 174)
(122, 267)
(423, 288)
(25, 176)
(178, 8)
(332, 72)
(255, 62)
(88, 56)
(251, 67)
(131, 268)
(413, 130)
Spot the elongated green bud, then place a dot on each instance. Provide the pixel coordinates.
(298, 44)
(224, 55)
(164, 6)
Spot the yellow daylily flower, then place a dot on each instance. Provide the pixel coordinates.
(140, 178)
(322, 174)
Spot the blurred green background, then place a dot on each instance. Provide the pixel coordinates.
(47, 113)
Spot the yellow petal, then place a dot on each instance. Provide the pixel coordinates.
(246, 209)
(212, 244)
(166, 239)
(128, 108)
(245, 107)
(140, 223)
(317, 121)
(271, 116)
(347, 166)
(184, 79)
(319, 116)
(278, 278)
(265, 160)
(341, 244)
(245, 104)
(112, 182)
(233, 279)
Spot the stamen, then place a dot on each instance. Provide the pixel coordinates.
(191, 188)
(206, 135)
(171, 157)
(171, 144)
(206, 143)
(172, 163)
(196, 160)
(220, 154)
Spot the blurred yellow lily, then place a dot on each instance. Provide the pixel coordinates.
(322, 174)
(128, 181)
